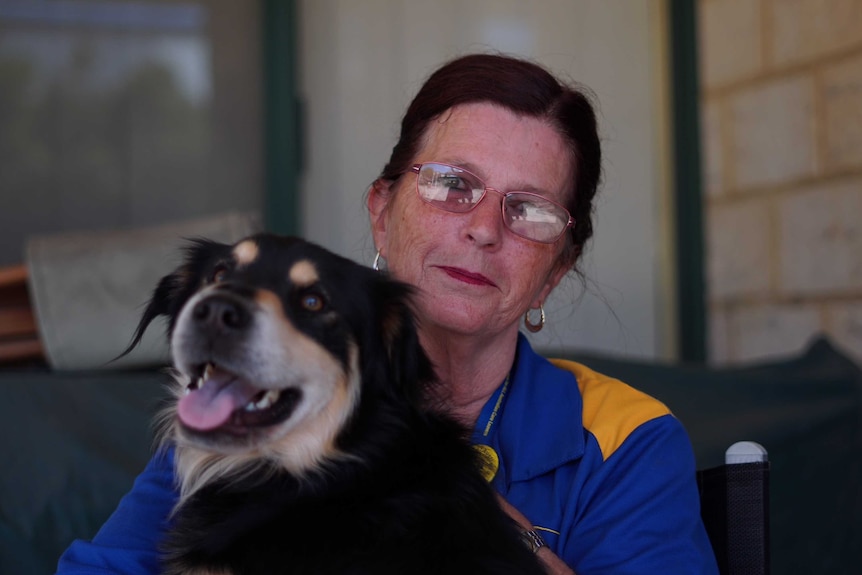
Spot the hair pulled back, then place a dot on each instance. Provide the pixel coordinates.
(525, 89)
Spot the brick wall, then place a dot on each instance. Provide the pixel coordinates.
(781, 95)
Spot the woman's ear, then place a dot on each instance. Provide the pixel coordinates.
(379, 195)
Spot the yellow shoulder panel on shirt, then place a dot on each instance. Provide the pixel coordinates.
(612, 409)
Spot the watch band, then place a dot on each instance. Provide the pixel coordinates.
(533, 540)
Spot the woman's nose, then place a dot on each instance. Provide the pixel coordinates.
(485, 221)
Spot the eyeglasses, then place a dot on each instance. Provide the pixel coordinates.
(526, 214)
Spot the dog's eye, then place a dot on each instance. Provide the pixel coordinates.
(219, 274)
(312, 302)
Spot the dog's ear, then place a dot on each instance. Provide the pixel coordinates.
(175, 288)
(162, 302)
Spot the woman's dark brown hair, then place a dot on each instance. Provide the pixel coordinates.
(525, 89)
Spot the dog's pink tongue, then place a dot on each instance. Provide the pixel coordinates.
(212, 404)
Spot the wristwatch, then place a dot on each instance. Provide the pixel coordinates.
(533, 540)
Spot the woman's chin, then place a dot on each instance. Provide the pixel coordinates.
(453, 321)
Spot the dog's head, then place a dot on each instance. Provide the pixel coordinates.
(276, 341)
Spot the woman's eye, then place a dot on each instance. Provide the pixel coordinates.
(457, 190)
(454, 183)
(312, 302)
(517, 209)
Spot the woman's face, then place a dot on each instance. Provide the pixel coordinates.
(475, 276)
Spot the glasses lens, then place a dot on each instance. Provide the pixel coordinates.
(449, 188)
(533, 217)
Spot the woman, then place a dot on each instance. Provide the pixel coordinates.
(486, 204)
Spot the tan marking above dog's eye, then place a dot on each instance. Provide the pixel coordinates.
(303, 273)
(245, 252)
(312, 302)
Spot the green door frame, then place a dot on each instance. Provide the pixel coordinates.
(688, 204)
(282, 118)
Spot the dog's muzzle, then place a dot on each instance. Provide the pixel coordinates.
(214, 346)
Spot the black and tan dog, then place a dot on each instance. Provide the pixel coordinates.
(303, 441)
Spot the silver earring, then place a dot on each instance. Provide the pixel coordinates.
(535, 327)
(376, 264)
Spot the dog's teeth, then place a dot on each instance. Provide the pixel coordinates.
(267, 400)
(264, 402)
(207, 372)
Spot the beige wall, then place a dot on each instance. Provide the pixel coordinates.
(781, 85)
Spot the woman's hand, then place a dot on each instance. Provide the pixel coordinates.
(553, 564)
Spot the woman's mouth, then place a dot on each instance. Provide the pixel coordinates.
(467, 277)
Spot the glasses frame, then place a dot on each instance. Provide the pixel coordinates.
(417, 168)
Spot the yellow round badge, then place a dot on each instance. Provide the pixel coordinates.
(489, 462)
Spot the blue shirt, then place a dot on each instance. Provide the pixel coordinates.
(604, 472)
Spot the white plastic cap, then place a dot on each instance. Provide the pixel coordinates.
(745, 452)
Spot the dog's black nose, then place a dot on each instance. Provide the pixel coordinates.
(221, 312)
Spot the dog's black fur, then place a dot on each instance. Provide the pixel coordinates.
(396, 490)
